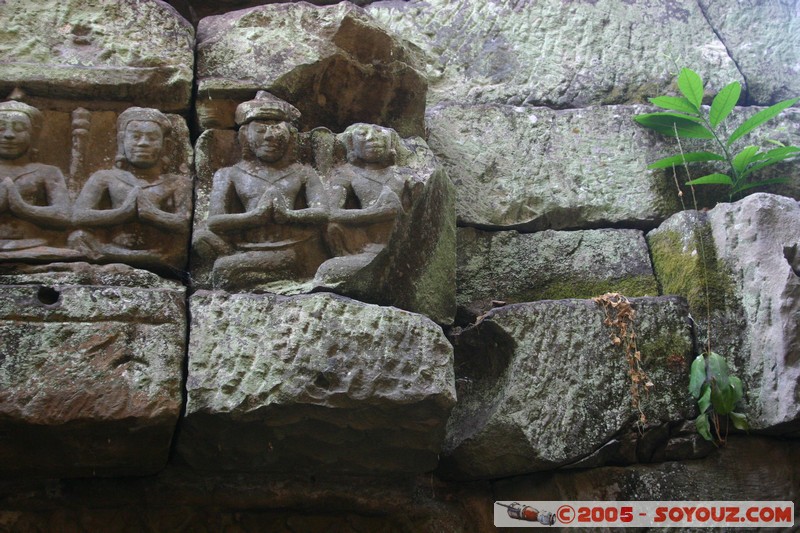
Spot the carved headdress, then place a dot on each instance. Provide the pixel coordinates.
(265, 106)
(33, 114)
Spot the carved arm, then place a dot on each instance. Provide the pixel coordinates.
(85, 214)
(56, 215)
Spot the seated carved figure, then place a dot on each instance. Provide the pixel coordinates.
(367, 195)
(34, 201)
(265, 212)
(134, 214)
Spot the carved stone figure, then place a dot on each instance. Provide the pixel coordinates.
(367, 195)
(135, 213)
(265, 212)
(34, 201)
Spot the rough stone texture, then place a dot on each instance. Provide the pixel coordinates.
(90, 373)
(335, 64)
(416, 269)
(556, 53)
(746, 468)
(313, 383)
(138, 52)
(758, 238)
(550, 265)
(540, 384)
(751, 249)
(763, 38)
(536, 168)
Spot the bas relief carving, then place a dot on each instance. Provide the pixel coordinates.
(317, 217)
(265, 212)
(137, 213)
(34, 201)
(367, 194)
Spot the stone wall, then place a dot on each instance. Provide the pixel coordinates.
(335, 266)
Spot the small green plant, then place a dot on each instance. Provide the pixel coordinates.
(686, 118)
(717, 393)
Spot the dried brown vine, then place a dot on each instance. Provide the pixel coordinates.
(620, 316)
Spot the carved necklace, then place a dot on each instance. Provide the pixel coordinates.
(246, 166)
(126, 177)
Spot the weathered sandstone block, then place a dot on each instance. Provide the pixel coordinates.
(763, 38)
(556, 53)
(335, 64)
(549, 265)
(537, 168)
(90, 370)
(541, 385)
(141, 53)
(750, 260)
(296, 384)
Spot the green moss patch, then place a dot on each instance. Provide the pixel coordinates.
(686, 268)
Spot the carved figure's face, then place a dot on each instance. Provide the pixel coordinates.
(15, 134)
(372, 144)
(268, 140)
(143, 143)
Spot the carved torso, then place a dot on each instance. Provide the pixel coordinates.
(39, 185)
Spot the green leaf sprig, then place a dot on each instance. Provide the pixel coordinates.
(685, 117)
(716, 392)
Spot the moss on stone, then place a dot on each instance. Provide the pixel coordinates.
(681, 269)
(583, 288)
(659, 351)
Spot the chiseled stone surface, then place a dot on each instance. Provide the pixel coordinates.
(313, 382)
(758, 238)
(141, 53)
(550, 265)
(335, 64)
(540, 384)
(763, 38)
(536, 168)
(90, 367)
(557, 53)
(195, 10)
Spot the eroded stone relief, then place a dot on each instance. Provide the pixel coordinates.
(367, 194)
(35, 206)
(137, 213)
(266, 211)
(299, 212)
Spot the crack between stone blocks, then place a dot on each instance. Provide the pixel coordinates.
(727, 51)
